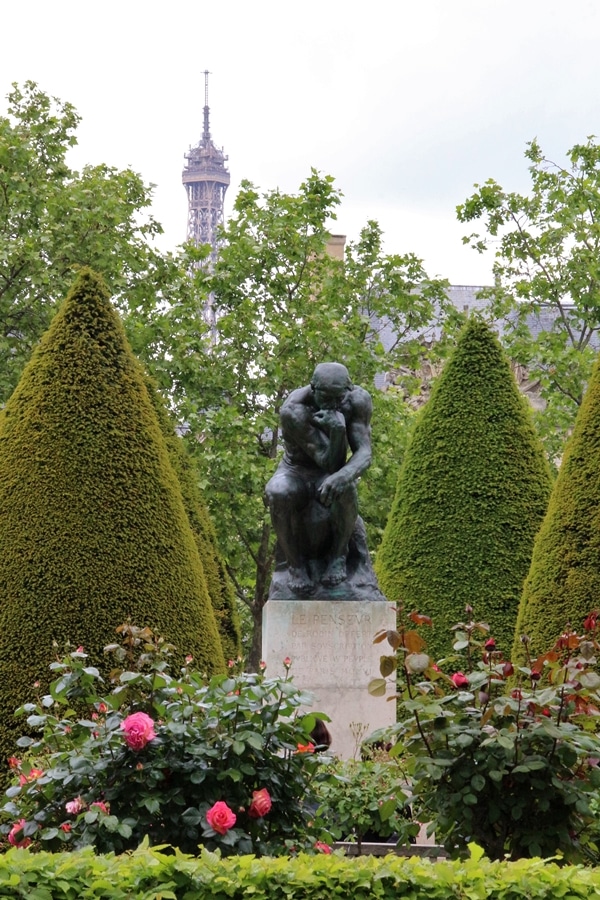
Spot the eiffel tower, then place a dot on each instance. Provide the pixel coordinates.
(205, 179)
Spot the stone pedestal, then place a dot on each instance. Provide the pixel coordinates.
(333, 656)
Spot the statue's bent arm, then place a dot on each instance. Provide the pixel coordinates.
(299, 429)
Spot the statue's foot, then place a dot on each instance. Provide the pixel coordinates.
(300, 581)
(335, 572)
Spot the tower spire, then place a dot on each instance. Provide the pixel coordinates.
(206, 132)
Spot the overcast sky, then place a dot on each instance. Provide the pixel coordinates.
(406, 104)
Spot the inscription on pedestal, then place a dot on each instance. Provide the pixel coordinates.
(331, 647)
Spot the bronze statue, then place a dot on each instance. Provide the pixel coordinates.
(322, 549)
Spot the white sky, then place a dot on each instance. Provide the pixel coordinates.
(406, 104)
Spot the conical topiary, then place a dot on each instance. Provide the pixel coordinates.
(563, 584)
(93, 529)
(471, 494)
(218, 583)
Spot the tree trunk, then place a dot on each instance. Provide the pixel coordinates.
(264, 565)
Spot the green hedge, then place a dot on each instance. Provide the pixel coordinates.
(150, 875)
(563, 584)
(218, 583)
(471, 495)
(93, 529)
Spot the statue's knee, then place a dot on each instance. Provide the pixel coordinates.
(282, 494)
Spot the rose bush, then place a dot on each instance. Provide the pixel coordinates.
(500, 754)
(172, 758)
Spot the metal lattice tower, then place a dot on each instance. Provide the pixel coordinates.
(205, 179)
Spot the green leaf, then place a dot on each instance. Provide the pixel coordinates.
(377, 687)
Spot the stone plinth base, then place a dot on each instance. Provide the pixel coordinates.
(331, 647)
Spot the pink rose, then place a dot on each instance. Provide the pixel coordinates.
(261, 804)
(75, 806)
(459, 680)
(16, 830)
(220, 817)
(139, 729)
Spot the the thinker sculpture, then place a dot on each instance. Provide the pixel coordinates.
(322, 549)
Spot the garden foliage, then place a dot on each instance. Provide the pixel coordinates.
(149, 873)
(503, 755)
(471, 494)
(93, 527)
(171, 758)
(366, 800)
(564, 580)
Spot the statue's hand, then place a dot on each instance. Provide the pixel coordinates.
(333, 487)
(329, 420)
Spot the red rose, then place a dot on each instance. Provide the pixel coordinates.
(220, 817)
(138, 729)
(322, 848)
(459, 680)
(490, 644)
(66, 826)
(31, 776)
(306, 748)
(101, 805)
(261, 804)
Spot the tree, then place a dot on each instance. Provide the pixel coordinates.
(92, 522)
(53, 220)
(563, 583)
(547, 275)
(471, 494)
(283, 306)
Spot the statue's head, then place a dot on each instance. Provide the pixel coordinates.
(330, 384)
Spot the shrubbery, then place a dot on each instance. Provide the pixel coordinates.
(366, 800)
(175, 759)
(564, 579)
(471, 495)
(93, 526)
(149, 873)
(502, 755)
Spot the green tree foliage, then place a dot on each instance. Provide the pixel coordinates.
(546, 268)
(53, 220)
(471, 495)
(283, 306)
(563, 584)
(93, 529)
(218, 583)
